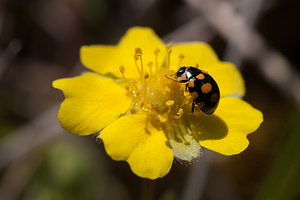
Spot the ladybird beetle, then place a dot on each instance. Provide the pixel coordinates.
(202, 87)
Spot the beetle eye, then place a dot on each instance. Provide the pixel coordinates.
(180, 71)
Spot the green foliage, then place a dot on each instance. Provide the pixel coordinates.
(282, 181)
(67, 172)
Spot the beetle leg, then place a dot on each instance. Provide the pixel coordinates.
(193, 106)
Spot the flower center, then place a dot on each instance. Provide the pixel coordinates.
(167, 103)
(152, 92)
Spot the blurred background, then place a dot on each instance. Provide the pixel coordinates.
(40, 41)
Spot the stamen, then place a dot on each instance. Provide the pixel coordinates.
(122, 70)
(156, 53)
(150, 64)
(134, 84)
(169, 50)
(169, 103)
(181, 57)
(135, 57)
(179, 113)
(139, 53)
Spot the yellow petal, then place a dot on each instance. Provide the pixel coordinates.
(91, 102)
(145, 39)
(226, 131)
(194, 53)
(134, 139)
(101, 59)
(228, 78)
(107, 59)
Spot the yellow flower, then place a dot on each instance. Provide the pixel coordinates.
(145, 118)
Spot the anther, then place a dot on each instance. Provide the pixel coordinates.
(122, 69)
(138, 51)
(169, 48)
(170, 102)
(179, 113)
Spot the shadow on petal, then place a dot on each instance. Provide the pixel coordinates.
(207, 127)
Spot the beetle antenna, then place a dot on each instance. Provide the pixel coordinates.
(173, 79)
